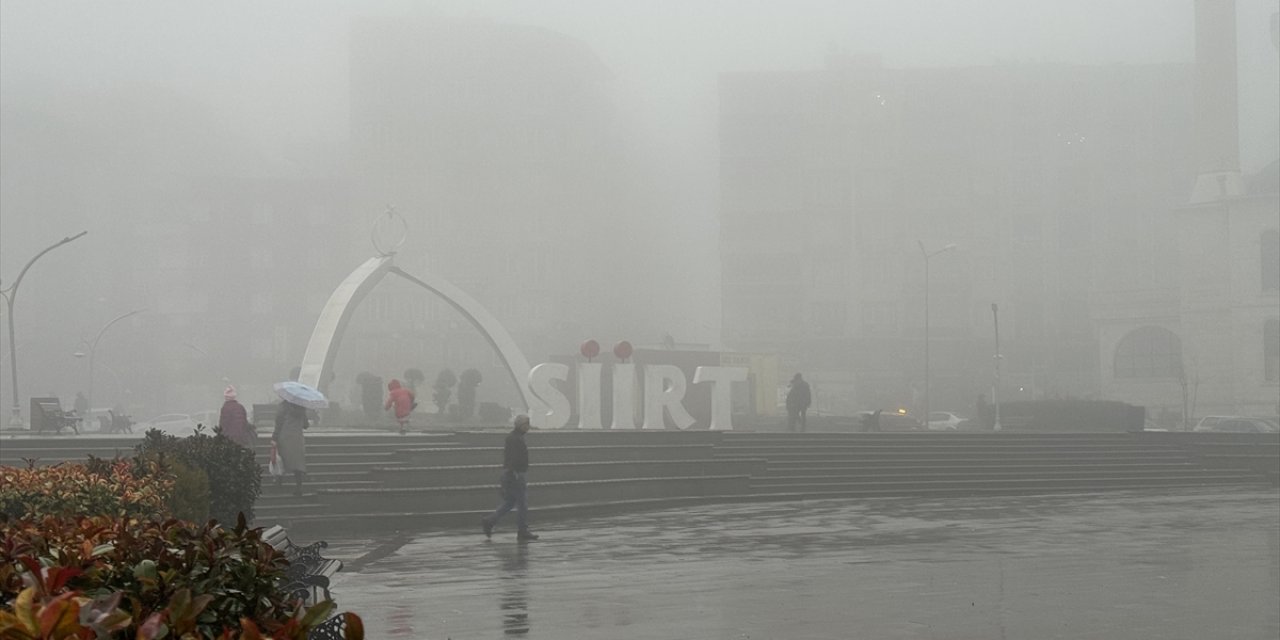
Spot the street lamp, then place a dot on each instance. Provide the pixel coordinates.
(928, 255)
(93, 348)
(995, 389)
(10, 294)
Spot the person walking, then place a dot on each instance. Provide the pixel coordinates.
(81, 405)
(289, 442)
(402, 400)
(233, 420)
(798, 401)
(871, 421)
(515, 486)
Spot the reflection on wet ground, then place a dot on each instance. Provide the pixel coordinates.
(1195, 564)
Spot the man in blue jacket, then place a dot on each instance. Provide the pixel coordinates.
(515, 486)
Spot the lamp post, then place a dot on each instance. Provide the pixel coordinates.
(927, 255)
(93, 348)
(995, 390)
(10, 294)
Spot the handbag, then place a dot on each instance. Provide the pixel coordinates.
(274, 466)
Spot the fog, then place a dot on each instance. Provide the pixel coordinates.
(578, 168)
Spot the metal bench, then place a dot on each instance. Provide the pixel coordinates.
(309, 572)
(47, 413)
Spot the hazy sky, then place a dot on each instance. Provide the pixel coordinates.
(277, 70)
(257, 58)
(274, 75)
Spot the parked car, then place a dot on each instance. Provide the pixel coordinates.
(944, 421)
(1236, 424)
(892, 421)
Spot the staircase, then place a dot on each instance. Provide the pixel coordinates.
(827, 465)
(379, 482)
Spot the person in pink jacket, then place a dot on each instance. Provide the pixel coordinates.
(401, 399)
(234, 420)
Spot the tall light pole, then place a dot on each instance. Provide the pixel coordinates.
(93, 349)
(927, 255)
(995, 390)
(10, 294)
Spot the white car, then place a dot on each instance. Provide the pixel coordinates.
(174, 424)
(943, 421)
(1235, 424)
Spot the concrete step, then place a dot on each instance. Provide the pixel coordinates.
(470, 456)
(335, 457)
(272, 491)
(735, 438)
(430, 499)
(826, 458)
(341, 445)
(999, 475)
(785, 447)
(824, 469)
(947, 448)
(975, 461)
(568, 471)
(322, 524)
(913, 487)
(576, 437)
(306, 505)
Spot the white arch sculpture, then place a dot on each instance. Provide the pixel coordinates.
(332, 323)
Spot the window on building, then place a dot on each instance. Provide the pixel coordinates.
(1149, 352)
(1271, 260)
(828, 319)
(879, 319)
(1271, 349)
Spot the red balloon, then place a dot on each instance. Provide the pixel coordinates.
(589, 349)
(622, 350)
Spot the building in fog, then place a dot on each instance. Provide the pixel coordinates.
(501, 146)
(1046, 177)
(230, 255)
(1208, 342)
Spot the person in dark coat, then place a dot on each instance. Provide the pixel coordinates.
(798, 401)
(515, 486)
(290, 444)
(81, 405)
(402, 400)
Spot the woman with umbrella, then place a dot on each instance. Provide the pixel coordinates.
(291, 421)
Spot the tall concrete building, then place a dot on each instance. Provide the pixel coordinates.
(501, 146)
(1207, 343)
(224, 249)
(1047, 178)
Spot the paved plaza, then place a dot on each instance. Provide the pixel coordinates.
(1151, 564)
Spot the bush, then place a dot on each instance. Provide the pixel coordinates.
(121, 488)
(1071, 415)
(492, 412)
(233, 476)
(190, 497)
(370, 394)
(467, 383)
(146, 578)
(443, 389)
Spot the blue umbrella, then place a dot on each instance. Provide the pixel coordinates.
(303, 395)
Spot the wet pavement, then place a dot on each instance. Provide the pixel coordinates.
(1190, 564)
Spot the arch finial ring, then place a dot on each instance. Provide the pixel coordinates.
(389, 232)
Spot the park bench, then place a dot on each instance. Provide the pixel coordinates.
(47, 413)
(309, 572)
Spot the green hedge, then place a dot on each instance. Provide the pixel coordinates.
(234, 477)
